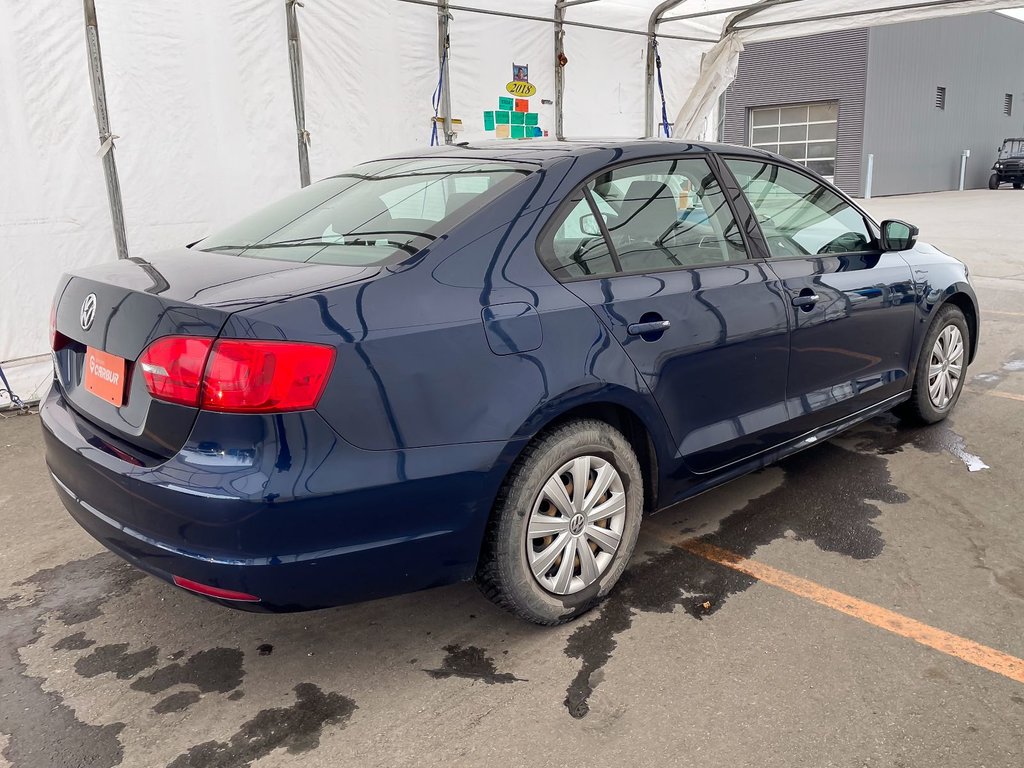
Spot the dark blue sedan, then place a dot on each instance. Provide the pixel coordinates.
(484, 362)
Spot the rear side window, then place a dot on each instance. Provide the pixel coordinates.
(375, 213)
(798, 215)
(660, 215)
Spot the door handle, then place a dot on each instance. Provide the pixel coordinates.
(640, 329)
(807, 301)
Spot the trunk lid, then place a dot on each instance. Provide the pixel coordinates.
(175, 293)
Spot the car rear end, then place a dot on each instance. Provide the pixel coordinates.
(197, 452)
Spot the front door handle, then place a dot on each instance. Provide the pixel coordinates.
(641, 329)
(807, 301)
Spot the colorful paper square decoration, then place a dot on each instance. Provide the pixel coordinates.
(522, 105)
(501, 117)
(506, 103)
(501, 131)
(518, 131)
(488, 121)
(537, 132)
(532, 118)
(518, 118)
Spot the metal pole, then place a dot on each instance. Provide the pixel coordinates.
(444, 16)
(99, 103)
(548, 20)
(848, 14)
(298, 89)
(652, 31)
(870, 177)
(963, 167)
(559, 68)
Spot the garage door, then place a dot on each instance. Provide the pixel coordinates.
(802, 132)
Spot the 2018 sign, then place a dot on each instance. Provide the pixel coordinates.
(524, 90)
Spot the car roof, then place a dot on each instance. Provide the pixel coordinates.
(546, 151)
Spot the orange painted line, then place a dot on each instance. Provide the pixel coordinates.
(945, 642)
(994, 393)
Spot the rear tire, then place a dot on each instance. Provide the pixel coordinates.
(1017, 185)
(514, 571)
(993, 181)
(941, 369)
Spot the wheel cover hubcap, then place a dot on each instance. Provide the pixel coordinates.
(576, 525)
(945, 367)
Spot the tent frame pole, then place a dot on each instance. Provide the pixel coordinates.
(723, 11)
(652, 32)
(99, 103)
(549, 20)
(298, 89)
(843, 15)
(560, 6)
(444, 17)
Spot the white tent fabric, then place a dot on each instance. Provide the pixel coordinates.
(200, 95)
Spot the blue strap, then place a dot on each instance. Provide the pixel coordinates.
(436, 99)
(15, 400)
(661, 90)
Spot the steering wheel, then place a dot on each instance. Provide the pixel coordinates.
(848, 242)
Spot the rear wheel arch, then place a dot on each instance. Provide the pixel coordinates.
(633, 428)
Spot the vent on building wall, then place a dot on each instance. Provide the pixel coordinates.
(940, 97)
(1008, 104)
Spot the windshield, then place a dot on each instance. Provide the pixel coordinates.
(376, 212)
(1012, 148)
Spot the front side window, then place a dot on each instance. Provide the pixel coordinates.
(798, 215)
(658, 215)
(374, 213)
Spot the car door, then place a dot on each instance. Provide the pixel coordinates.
(851, 305)
(655, 249)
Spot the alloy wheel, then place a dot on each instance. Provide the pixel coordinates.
(576, 525)
(945, 366)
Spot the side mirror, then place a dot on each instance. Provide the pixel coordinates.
(589, 225)
(898, 235)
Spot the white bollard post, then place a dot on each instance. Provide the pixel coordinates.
(868, 178)
(963, 167)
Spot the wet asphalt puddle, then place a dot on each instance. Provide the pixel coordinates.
(44, 731)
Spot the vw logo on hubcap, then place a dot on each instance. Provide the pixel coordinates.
(88, 313)
(576, 524)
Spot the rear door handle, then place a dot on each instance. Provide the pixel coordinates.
(639, 329)
(805, 301)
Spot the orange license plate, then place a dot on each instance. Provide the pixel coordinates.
(104, 375)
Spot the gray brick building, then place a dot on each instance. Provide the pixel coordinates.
(913, 95)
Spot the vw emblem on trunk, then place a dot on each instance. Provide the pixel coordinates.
(88, 313)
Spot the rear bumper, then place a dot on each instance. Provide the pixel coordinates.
(282, 508)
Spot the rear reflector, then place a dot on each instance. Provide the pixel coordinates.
(220, 594)
(236, 376)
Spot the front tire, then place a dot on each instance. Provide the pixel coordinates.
(993, 181)
(941, 368)
(564, 525)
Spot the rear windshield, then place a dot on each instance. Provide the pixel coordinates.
(378, 212)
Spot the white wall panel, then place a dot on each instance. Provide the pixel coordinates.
(53, 206)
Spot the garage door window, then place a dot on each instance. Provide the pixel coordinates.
(805, 133)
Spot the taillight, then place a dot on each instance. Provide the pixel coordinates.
(236, 376)
(173, 368)
(265, 376)
(57, 339)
